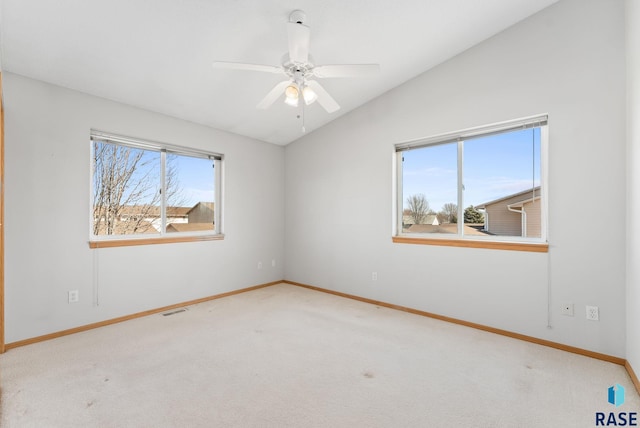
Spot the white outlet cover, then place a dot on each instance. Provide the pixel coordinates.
(593, 313)
(74, 296)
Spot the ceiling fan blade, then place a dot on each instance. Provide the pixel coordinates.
(273, 95)
(324, 99)
(298, 35)
(346, 70)
(247, 67)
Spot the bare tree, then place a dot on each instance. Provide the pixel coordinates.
(418, 207)
(175, 194)
(449, 213)
(126, 189)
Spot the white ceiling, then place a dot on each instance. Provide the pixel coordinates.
(157, 54)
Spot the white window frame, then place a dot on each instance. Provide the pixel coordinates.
(459, 137)
(163, 149)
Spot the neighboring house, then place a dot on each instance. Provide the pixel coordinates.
(136, 219)
(514, 215)
(174, 215)
(199, 217)
(178, 214)
(135, 212)
(430, 219)
(128, 220)
(152, 214)
(202, 212)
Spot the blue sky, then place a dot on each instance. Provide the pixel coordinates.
(494, 167)
(196, 177)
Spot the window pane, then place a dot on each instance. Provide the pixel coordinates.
(126, 186)
(502, 184)
(190, 193)
(429, 189)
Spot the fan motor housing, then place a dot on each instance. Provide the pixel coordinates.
(298, 17)
(291, 67)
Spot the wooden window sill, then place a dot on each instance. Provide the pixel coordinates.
(153, 241)
(468, 243)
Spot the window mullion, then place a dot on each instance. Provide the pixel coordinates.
(163, 192)
(400, 194)
(544, 177)
(460, 189)
(217, 195)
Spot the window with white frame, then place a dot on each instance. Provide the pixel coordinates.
(150, 189)
(485, 183)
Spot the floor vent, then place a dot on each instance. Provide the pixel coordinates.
(177, 311)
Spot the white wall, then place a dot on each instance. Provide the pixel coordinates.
(567, 61)
(47, 215)
(633, 168)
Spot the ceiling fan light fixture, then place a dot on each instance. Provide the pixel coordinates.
(309, 95)
(293, 102)
(301, 71)
(291, 94)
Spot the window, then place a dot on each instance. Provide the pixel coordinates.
(148, 190)
(484, 184)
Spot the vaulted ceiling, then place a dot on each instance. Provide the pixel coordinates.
(158, 54)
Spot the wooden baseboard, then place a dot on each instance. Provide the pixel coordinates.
(130, 317)
(632, 375)
(567, 348)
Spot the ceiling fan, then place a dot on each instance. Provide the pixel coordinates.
(297, 65)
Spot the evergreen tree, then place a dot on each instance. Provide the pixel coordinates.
(472, 215)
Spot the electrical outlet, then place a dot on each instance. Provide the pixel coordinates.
(567, 309)
(74, 296)
(259, 265)
(273, 263)
(374, 276)
(592, 313)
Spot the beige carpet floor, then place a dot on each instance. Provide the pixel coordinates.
(285, 356)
